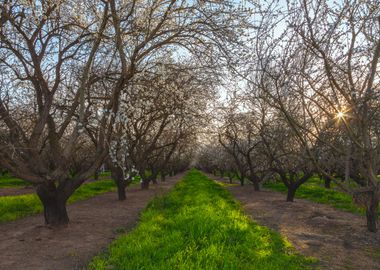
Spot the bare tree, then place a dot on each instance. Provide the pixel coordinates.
(39, 43)
(322, 75)
(51, 59)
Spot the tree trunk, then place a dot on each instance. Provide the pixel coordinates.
(163, 177)
(241, 181)
(230, 178)
(372, 213)
(256, 185)
(118, 177)
(153, 177)
(54, 203)
(291, 194)
(255, 181)
(145, 184)
(221, 174)
(121, 195)
(96, 175)
(327, 182)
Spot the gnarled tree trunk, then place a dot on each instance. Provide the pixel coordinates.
(54, 203)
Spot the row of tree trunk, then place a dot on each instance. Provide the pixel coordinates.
(54, 198)
(370, 204)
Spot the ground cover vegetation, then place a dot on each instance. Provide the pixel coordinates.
(7, 181)
(198, 225)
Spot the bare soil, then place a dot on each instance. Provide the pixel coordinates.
(338, 239)
(94, 224)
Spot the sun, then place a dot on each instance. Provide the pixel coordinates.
(340, 115)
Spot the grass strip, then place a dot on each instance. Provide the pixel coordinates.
(14, 207)
(198, 225)
(9, 181)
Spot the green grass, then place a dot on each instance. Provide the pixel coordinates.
(14, 207)
(104, 174)
(314, 190)
(199, 226)
(7, 181)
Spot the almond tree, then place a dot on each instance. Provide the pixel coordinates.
(326, 67)
(346, 47)
(53, 54)
(41, 43)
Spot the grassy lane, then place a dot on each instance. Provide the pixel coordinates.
(14, 207)
(7, 181)
(199, 226)
(313, 190)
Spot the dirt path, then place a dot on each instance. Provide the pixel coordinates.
(26, 244)
(338, 239)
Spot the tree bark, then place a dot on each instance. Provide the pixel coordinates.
(230, 178)
(372, 214)
(327, 182)
(118, 177)
(256, 185)
(145, 184)
(121, 195)
(153, 177)
(241, 181)
(54, 203)
(255, 181)
(291, 194)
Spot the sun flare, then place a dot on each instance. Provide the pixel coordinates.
(340, 115)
